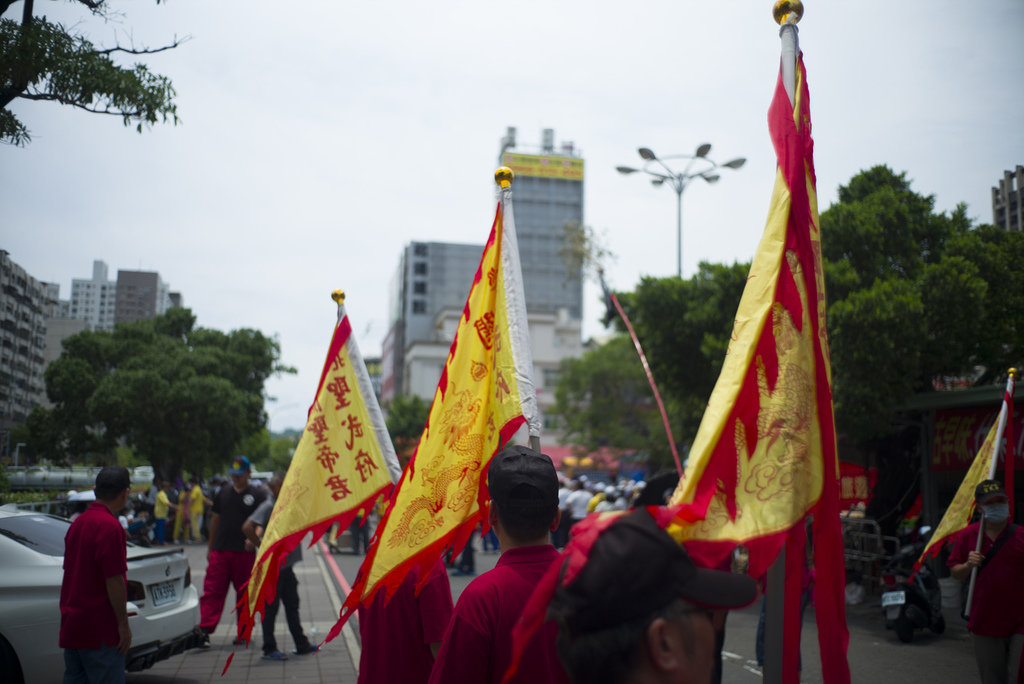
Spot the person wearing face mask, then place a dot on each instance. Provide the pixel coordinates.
(997, 609)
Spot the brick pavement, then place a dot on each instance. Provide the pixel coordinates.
(317, 607)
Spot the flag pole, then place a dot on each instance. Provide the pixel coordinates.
(786, 13)
(503, 178)
(1007, 399)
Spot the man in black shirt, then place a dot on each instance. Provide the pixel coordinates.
(228, 563)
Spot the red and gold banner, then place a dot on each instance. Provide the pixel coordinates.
(959, 433)
(485, 394)
(344, 462)
(765, 454)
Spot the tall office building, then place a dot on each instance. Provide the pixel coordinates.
(547, 193)
(433, 279)
(93, 300)
(1008, 201)
(24, 305)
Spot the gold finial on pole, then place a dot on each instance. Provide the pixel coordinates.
(338, 296)
(1013, 372)
(785, 10)
(503, 177)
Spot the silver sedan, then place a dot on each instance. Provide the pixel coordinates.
(163, 606)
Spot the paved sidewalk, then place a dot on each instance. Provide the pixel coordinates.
(317, 607)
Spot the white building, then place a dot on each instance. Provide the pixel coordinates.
(93, 301)
(553, 337)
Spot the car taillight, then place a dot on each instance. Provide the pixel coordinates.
(188, 576)
(890, 580)
(136, 592)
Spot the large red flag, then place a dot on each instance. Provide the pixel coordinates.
(764, 457)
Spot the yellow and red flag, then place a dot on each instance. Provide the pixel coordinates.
(958, 515)
(765, 454)
(343, 463)
(485, 394)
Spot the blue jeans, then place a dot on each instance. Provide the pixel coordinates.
(93, 666)
(466, 560)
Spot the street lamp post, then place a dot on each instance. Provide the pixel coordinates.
(681, 179)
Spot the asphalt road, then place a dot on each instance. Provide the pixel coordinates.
(875, 654)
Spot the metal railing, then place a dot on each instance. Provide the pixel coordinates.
(866, 548)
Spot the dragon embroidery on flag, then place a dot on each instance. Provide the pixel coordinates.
(457, 424)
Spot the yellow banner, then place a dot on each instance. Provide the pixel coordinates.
(958, 515)
(569, 168)
(340, 467)
(778, 454)
(476, 407)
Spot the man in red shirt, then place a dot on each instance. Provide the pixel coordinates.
(228, 561)
(94, 630)
(402, 636)
(997, 611)
(477, 646)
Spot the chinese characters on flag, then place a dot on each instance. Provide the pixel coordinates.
(343, 464)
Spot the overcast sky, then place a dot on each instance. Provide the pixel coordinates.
(318, 138)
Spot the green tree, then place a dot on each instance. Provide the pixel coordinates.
(282, 448)
(182, 396)
(256, 447)
(915, 296)
(684, 327)
(603, 399)
(406, 418)
(45, 61)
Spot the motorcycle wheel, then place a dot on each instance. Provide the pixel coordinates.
(939, 626)
(904, 628)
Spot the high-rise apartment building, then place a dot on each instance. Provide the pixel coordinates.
(141, 295)
(24, 305)
(102, 303)
(433, 279)
(94, 300)
(1008, 201)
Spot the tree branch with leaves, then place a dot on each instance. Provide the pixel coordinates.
(44, 61)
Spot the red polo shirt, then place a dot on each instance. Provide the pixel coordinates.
(396, 636)
(477, 647)
(94, 549)
(998, 608)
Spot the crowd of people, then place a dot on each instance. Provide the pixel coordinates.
(554, 609)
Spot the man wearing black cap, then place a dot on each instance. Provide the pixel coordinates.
(94, 631)
(997, 610)
(477, 645)
(639, 610)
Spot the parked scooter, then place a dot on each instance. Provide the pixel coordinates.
(911, 604)
(140, 530)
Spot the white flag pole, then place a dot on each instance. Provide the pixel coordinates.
(991, 475)
(787, 13)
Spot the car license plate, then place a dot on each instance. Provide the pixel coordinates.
(163, 593)
(894, 598)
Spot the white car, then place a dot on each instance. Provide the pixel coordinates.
(163, 606)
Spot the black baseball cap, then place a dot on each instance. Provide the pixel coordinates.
(112, 480)
(634, 568)
(516, 470)
(988, 490)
